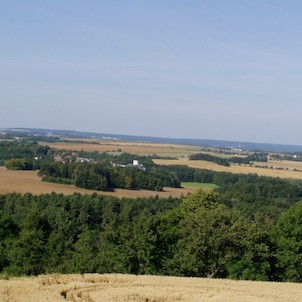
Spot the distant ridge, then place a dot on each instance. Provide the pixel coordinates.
(180, 141)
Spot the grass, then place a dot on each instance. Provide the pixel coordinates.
(117, 287)
(198, 185)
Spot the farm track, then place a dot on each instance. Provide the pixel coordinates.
(122, 288)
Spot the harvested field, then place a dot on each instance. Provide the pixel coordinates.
(29, 182)
(233, 168)
(285, 164)
(135, 148)
(168, 150)
(117, 287)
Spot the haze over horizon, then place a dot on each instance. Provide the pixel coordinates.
(208, 70)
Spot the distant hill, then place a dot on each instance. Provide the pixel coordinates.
(149, 139)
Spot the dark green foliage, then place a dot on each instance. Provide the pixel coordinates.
(208, 157)
(30, 152)
(287, 237)
(18, 164)
(218, 242)
(103, 176)
(198, 237)
(258, 156)
(257, 197)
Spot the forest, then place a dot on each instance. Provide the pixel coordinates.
(196, 236)
(103, 176)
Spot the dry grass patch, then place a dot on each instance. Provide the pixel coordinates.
(116, 287)
(29, 182)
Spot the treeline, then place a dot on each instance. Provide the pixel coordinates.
(257, 197)
(207, 157)
(198, 236)
(121, 159)
(23, 155)
(104, 176)
(262, 157)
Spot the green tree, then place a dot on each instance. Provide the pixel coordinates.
(287, 237)
(29, 250)
(214, 238)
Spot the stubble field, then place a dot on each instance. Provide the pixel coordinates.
(290, 174)
(118, 288)
(130, 147)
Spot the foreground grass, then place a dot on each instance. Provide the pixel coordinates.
(117, 287)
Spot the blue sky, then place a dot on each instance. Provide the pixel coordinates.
(187, 69)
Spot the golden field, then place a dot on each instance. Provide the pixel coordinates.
(122, 288)
(234, 168)
(29, 182)
(130, 147)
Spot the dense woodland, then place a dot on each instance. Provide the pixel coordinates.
(258, 197)
(103, 176)
(195, 236)
(249, 228)
(19, 152)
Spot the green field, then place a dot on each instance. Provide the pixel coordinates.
(207, 186)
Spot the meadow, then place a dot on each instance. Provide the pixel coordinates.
(122, 288)
(197, 185)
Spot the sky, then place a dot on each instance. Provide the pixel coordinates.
(210, 69)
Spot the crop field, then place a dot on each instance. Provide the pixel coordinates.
(233, 168)
(116, 287)
(285, 164)
(28, 181)
(135, 148)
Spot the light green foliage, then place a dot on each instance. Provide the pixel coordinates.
(199, 185)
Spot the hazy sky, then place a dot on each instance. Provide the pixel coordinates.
(172, 68)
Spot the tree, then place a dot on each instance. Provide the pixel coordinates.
(214, 238)
(27, 255)
(18, 164)
(287, 237)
